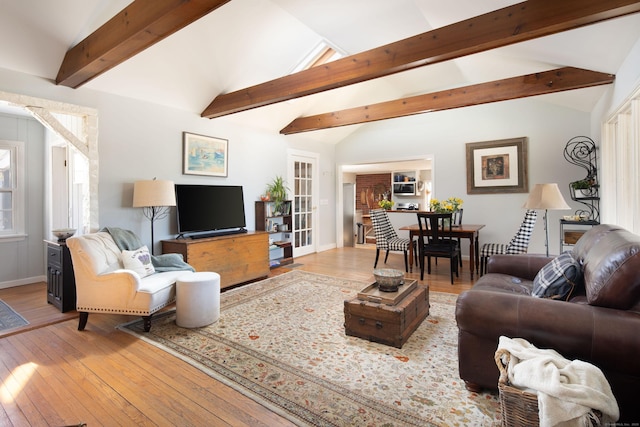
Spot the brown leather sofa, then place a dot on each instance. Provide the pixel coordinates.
(600, 323)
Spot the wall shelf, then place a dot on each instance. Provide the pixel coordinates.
(278, 222)
(581, 151)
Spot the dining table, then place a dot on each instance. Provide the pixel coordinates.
(463, 231)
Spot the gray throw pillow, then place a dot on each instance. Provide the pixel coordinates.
(559, 278)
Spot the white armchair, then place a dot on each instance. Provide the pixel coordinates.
(104, 286)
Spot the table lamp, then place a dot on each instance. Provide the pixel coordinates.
(154, 197)
(546, 196)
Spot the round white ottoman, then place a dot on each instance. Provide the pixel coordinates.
(197, 299)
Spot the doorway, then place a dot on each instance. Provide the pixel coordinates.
(303, 175)
(349, 214)
(78, 127)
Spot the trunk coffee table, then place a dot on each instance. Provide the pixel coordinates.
(387, 317)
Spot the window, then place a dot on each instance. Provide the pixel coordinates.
(321, 54)
(11, 189)
(620, 203)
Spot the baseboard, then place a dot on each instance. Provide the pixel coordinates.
(20, 282)
(327, 247)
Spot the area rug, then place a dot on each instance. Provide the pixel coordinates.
(9, 318)
(295, 265)
(281, 342)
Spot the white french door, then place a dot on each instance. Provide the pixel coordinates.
(303, 178)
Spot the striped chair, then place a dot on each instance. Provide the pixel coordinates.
(518, 245)
(386, 237)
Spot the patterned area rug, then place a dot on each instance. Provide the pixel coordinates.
(9, 319)
(281, 342)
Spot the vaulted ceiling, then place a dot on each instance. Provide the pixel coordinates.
(242, 43)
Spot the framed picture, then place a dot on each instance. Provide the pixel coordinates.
(497, 166)
(204, 155)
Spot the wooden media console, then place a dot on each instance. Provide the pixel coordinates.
(238, 258)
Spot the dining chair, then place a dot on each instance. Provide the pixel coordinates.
(456, 220)
(432, 241)
(386, 237)
(519, 244)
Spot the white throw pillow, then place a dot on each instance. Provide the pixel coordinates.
(138, 261)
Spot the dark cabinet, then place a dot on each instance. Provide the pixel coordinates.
(61, 283)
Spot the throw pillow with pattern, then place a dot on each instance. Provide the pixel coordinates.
(559, 278)
(138, 261)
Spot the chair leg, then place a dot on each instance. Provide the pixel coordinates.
(375, 264)
(84, 316)
(454, 264)
(147, 323)
(483, 264)
(386, 256)
(406, 262)
(457, 266)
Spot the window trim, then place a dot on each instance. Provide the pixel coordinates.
(18, 191)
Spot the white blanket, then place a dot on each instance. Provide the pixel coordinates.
(567, 391)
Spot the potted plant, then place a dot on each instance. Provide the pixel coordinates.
(386, 204)
(277, 192)
(582, 186)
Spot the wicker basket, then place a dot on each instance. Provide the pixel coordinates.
(519, 408)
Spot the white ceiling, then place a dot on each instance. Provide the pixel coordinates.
(247, 42)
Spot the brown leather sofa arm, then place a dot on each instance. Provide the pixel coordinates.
(605, 337)
(524, 266)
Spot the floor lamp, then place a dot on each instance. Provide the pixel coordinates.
(154, 197)
(546, 196)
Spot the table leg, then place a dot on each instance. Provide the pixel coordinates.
(411, 252)
(477, 254)
(472, 256)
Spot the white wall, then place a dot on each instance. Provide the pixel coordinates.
(444, 134)
(627, 81)
(134, 147)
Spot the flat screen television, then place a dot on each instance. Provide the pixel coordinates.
(207, 210)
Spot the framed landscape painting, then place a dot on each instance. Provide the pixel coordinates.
(497, 166)
(204, 155)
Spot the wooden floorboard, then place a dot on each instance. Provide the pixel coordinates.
(31, 302)
(53, 375)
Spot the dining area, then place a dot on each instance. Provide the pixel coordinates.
(470, 232)
(432, 234)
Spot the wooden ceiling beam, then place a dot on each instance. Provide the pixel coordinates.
(136, 27)
(523, 21)
(557, 80)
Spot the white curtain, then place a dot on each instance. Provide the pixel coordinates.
(620, 180)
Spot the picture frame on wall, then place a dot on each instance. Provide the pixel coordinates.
(497, 166)
(204, 155)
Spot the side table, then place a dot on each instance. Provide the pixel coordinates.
(571, 231)
(61, 282)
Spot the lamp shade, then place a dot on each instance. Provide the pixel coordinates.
(546, 196)
(153, 193)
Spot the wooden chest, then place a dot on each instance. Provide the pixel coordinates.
(238, 258)
(387, 324)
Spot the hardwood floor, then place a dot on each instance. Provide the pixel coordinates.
(53, 375)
